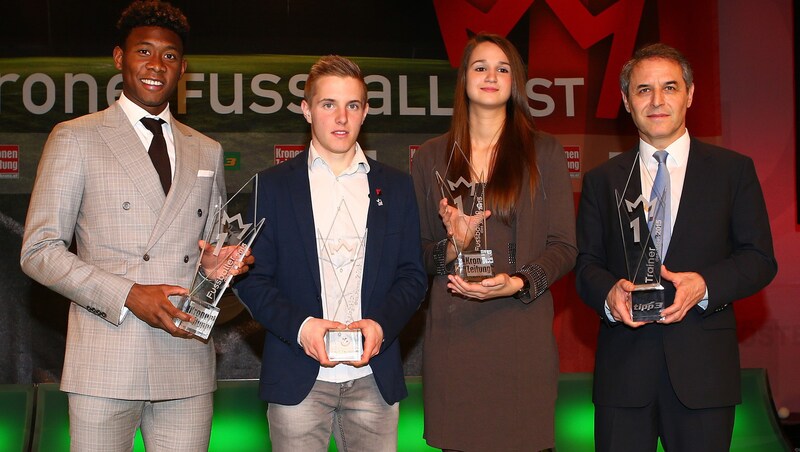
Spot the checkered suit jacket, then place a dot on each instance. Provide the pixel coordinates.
(96, 183)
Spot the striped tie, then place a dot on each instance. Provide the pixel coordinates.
(660, 226)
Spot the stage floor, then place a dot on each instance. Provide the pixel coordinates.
(35, 417)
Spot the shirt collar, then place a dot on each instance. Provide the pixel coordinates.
(678, 151)
(136, 113)
(358, 165)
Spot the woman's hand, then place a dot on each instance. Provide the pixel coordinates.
(499, 285)
(460, 228)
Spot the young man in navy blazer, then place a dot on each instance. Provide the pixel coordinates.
(676, 378)
(340, 249)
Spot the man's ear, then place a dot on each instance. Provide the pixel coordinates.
(306, 110)
(625, 101)
(117, 54)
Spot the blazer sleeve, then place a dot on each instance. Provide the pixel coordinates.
(594, 280)
(428, 194)
(560, 250)
(751, 263)
(54, 208)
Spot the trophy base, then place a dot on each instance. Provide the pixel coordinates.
(344, 344)
(643, 287)
(474, 267)
(205, 315)
(646, 305)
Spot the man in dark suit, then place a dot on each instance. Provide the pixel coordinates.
(340, 249)
(676, 378)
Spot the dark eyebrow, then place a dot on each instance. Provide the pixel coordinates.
(485, 61)
(647, 85)
(150, 44)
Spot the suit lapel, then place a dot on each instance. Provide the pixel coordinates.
(300, 193)
(376, 231)
(187, 162)
(627, 179)
(122, 141)
(699, 168)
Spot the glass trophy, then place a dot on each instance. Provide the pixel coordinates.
(341, 258)
(642, 257)
(227, 241)
(474, 263)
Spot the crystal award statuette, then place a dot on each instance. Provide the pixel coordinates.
(642, 258)
(341, 257)
(474, 263)
(228, 240)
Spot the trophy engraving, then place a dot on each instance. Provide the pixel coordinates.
(473, 263)
(341, 259)
(642, 257)
(228, 240)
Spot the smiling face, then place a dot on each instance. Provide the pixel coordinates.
(335, 111)
(657, 101)
(488, 76)
(151, 64)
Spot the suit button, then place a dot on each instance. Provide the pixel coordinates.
(146, 257)
(185, 259)
(199, 212)
(126, 205)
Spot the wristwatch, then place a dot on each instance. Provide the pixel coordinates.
(525, 291)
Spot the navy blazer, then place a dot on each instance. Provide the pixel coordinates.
(283, 287)
(722, 232)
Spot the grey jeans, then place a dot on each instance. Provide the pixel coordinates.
(354, 411)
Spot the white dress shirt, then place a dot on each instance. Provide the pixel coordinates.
(340, 204)
(135, 113)
(676, 164)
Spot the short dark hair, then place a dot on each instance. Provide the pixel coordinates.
(152, 13)
(651, 51)
(337, 66)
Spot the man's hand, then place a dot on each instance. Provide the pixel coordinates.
(226, 262)
(690, 288)
(312, 339)
(619, 303)
(150, 304)
(373, 338)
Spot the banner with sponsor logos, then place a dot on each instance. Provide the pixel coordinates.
(250, 102)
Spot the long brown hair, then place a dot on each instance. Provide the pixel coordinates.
(515, 151)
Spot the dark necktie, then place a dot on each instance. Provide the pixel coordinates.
(158, 152)
(660, 228)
